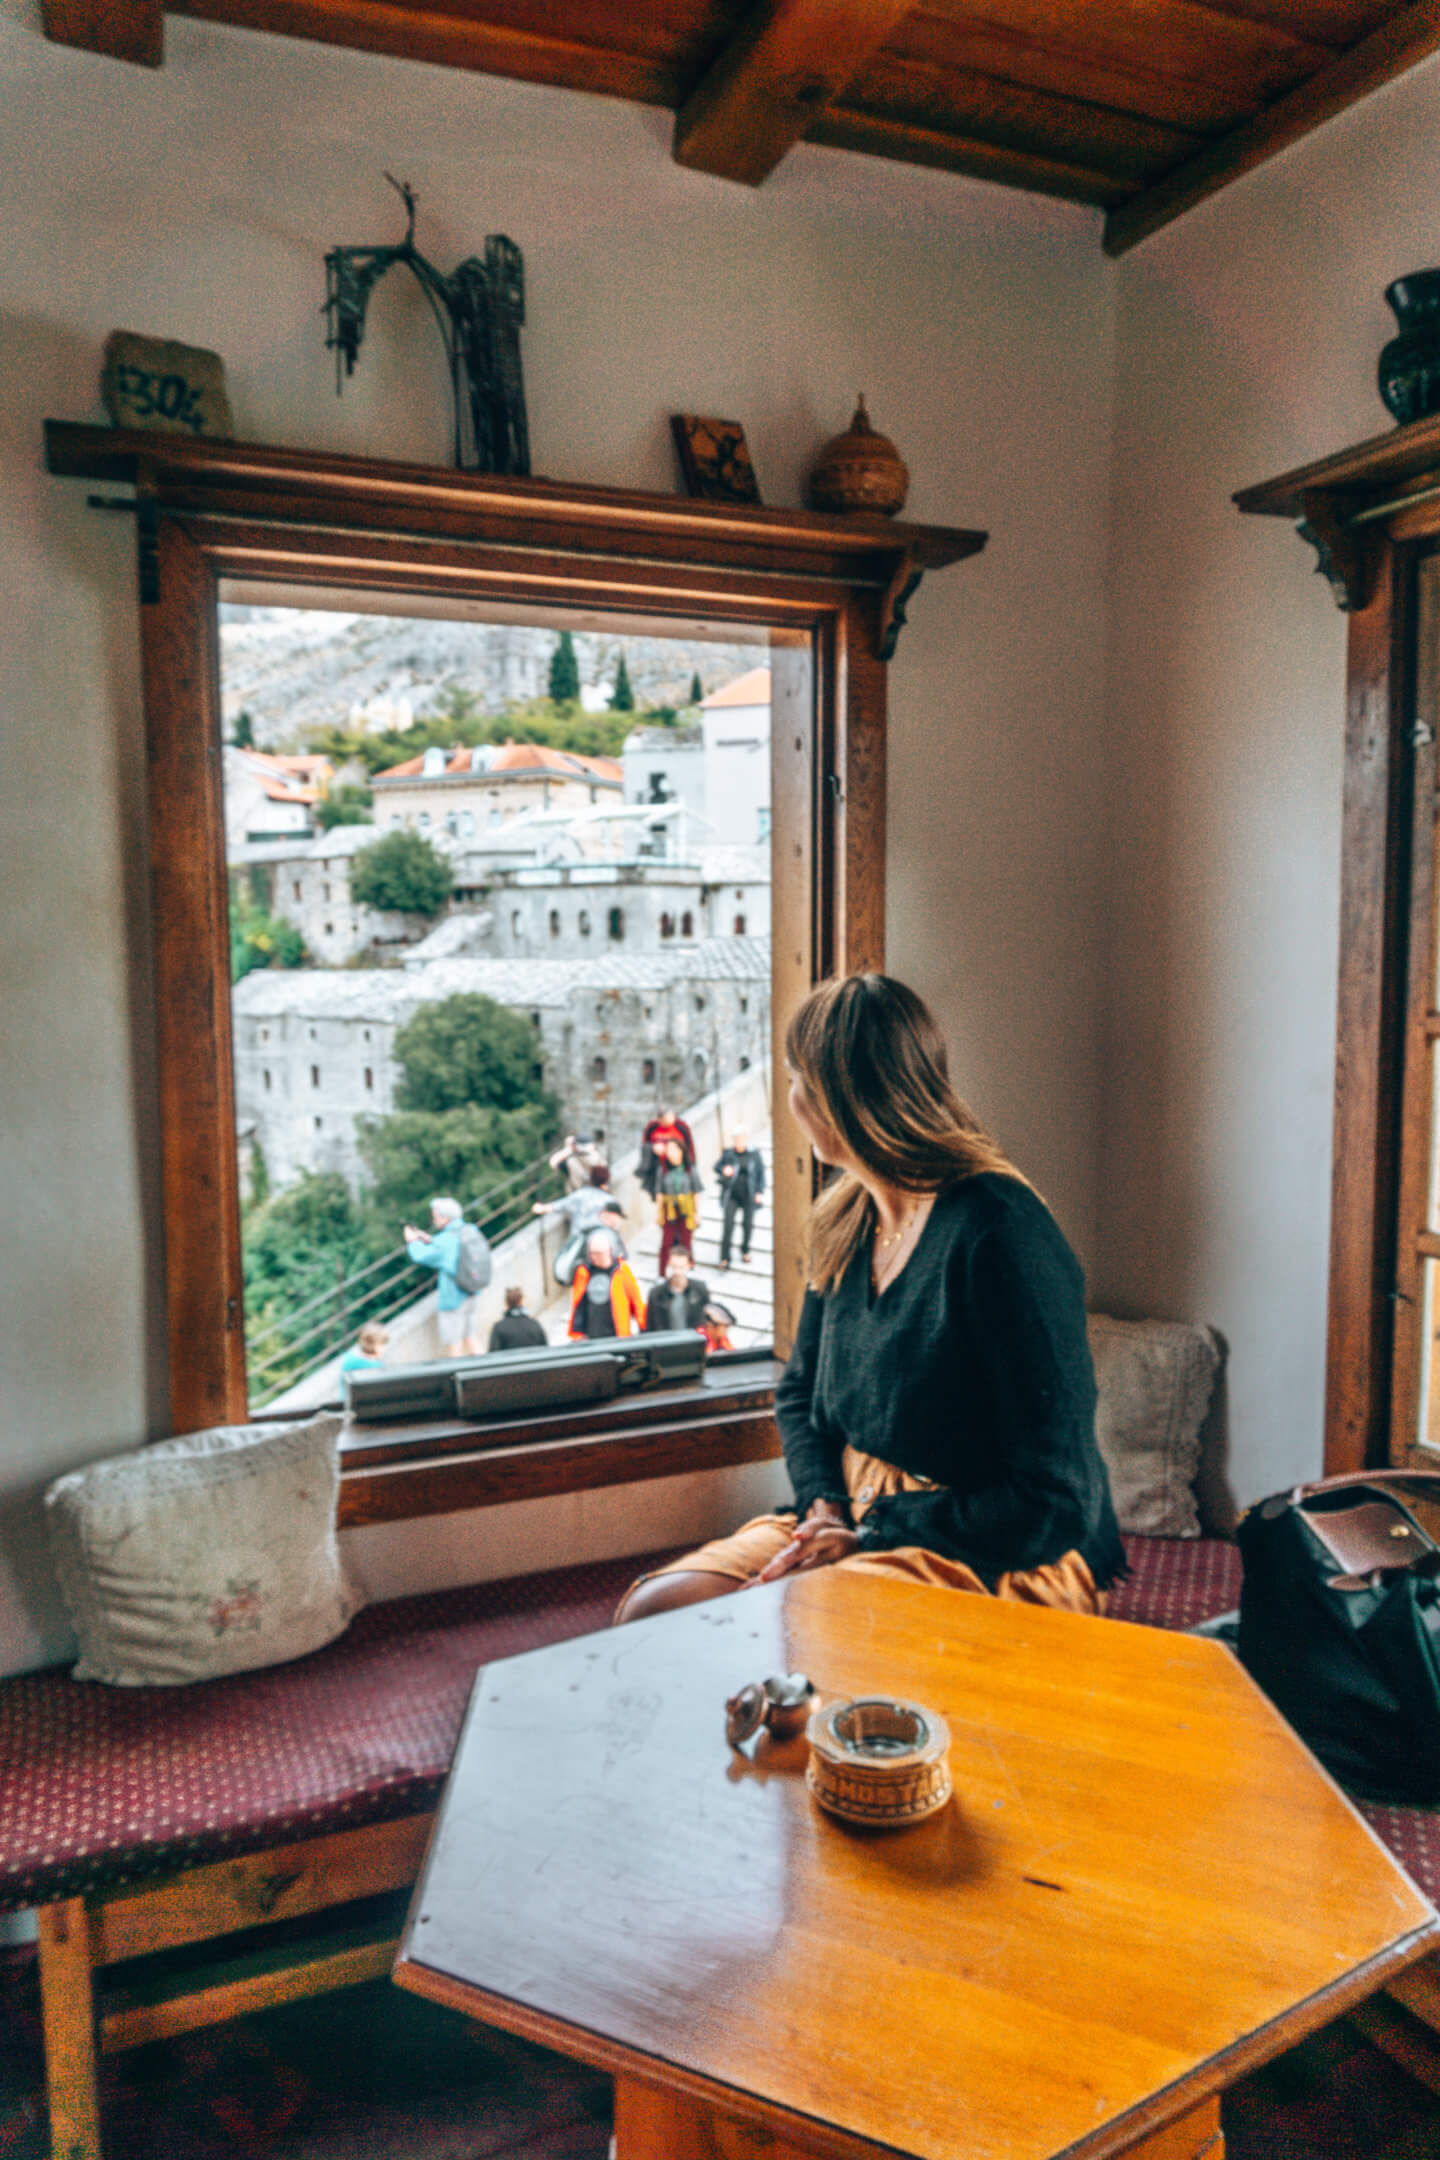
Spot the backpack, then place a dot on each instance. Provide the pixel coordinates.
(1340, 1625)
(472, 1262)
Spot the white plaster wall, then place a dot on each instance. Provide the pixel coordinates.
(197, 202)
(1248, 335)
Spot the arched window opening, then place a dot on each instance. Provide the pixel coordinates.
(667, 926)
(647, 1073)
(739, 926)
(582, 922)
(687, 924)
(597, 1071)
(554, 922)
(617, 923)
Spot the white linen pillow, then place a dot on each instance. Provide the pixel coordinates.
(203, 1556)
(1155, 1379)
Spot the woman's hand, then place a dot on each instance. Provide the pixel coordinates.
(821, 1540)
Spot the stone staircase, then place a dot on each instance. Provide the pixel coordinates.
(747, 1290)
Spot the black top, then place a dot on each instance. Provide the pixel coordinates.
(665, 1311)
(747, 1173)
(517, 1330)
(973, 1369)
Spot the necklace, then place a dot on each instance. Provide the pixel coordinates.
(885, 1258)
(883, 1244)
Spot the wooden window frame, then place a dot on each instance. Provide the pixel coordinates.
(831, 590)
(1372, 514)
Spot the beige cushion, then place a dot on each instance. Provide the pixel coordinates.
(203, 1556)
(1155, 1379)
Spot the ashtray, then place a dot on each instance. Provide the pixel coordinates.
(879, 1762)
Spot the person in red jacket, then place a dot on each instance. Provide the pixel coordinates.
(604, 1296)
(664, 1127)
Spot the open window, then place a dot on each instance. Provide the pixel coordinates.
(825, 594)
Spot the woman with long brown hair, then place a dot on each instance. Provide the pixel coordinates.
(938, 1410)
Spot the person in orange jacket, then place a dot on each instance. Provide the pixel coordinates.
(604, 1296)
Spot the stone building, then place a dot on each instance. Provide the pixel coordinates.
(464, 792)
(618, 1035)
(573, 910)
(663, 765)
(736, 726)
(308, 884)
(271, 798)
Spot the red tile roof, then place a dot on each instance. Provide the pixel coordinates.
(513, 757)
(752, 688)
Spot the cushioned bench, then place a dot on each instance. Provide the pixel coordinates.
(147, 1823)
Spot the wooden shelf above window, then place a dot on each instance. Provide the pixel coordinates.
(440, 509)
(1341, 505)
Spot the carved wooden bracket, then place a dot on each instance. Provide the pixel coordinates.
(1339, 548)
(1346, 507)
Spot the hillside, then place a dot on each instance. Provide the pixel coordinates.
(297, 669)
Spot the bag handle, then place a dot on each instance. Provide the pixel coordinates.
(1382, 1478)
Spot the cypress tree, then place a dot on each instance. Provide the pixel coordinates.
(244, 736)
(623, 697)
(697, 689)
(564, 672)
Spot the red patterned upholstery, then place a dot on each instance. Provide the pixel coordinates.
(1177, 1582)
(104, 1786)
(108, 1785)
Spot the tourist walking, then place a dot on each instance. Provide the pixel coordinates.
(678, 1300)
(460, 1257)
(576, 1157)
(676, 1202)
(741, 1175)
(605, 1298)
(663, 1128)
(517, 1329)
(589, 1207)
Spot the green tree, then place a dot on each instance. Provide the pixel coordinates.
(401, 871)
(470, 1107)
(259, 940)
(564, 672)
(298, 1246)
(622, 697)
(244, 735)
(466, 1052)
(349, 804)
(697, 689)
(471, 1153)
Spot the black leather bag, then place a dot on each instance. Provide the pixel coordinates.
(1340, 1625)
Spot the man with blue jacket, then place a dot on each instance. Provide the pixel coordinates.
(456, 1315)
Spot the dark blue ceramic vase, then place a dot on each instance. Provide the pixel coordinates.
(1410, 363)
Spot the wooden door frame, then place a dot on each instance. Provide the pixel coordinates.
(835, 587)
(1371, 513)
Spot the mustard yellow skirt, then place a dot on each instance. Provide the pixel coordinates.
(1066, 1582)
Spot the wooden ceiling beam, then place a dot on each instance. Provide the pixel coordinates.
(1407, 38)
(434, 34)
(844, 129)
(785, 66)
(121, 29)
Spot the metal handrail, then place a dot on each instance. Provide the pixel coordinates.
(493, 1210)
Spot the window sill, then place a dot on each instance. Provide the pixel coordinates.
(399, 1472)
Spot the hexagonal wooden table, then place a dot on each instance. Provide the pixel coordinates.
(1142, 1887)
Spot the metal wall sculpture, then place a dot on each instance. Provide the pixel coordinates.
(480, 308)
